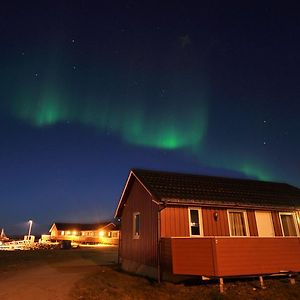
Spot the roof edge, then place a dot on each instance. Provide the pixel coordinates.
(228, 204)
(132, 173)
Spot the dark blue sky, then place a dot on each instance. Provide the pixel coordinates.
(90, 89)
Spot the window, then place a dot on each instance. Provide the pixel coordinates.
(288, 225)
(136, 225)
(195, 222)
(264, 223)
(115, 234)
(238, 224)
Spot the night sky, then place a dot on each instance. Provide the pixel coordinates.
(92, 89)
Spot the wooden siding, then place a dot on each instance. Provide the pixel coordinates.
(189, 255)
(257, 256)
(166, 255)
(144, 249)
(54, 232)
(174, 222)
(229, 256)
(212, 227)
(276, 223)
(252, 223)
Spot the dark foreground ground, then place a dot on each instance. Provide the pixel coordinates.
(92, 273)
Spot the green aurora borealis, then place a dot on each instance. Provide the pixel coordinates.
(175, 128)
(138, 125)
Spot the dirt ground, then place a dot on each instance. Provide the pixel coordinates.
(92, 274)
(111, 283)
(51, 279)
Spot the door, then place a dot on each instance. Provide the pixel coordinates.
(264, 223)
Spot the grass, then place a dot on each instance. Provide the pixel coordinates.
(112, 283)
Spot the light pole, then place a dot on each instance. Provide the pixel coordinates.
(30, 226)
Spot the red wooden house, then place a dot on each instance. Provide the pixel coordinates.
(181, 224)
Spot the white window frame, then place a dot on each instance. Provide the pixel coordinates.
(200, 221)
(295, 222)
(134, 234)
(297, 216)
(245, 221)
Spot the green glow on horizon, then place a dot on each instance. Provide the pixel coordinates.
(254, 171)
(249, 166)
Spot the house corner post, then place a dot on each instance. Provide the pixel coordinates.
(261, 281)
(221, 285)
(292, 279)
(158, 247)
(119, 247)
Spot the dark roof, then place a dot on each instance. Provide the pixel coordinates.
(177, 187)
(82, 227)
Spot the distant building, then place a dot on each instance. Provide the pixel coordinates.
(181, 224)
(3, 237)
(107, 233)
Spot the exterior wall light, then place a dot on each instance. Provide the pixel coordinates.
(216, 216)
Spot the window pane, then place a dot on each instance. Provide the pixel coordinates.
(195, 230)
(194, 217)
(288, 225)
(136, 228)
(237, 224)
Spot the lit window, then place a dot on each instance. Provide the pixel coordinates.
(195, 222)
(62, 232)
(136, 225)
(238, 223)
(288, 225)
(114, 234)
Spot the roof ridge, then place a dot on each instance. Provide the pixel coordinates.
(136, 170)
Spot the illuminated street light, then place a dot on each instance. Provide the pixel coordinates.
(30, 226)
